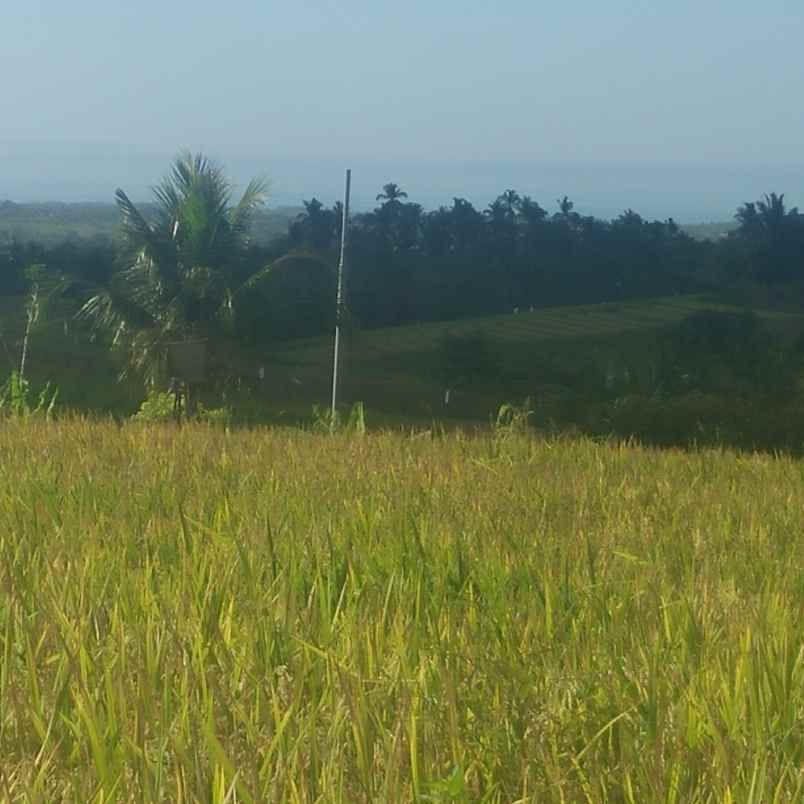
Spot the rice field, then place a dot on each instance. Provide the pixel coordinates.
(272, 615)
(398, 369)
(542, 324)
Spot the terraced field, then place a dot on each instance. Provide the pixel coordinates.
(537, 325)
(399, 368)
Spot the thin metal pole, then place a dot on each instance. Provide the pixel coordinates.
(339, 301)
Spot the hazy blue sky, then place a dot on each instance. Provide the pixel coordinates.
(425, 86)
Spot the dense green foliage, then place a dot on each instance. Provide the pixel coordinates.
(408, 265)
(300, 617)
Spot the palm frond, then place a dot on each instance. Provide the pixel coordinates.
(184, 168)
(145, 244)
(135, 228)
(146, 350)
(205, 236)
(252, 282)
(142, 282)
(109, 307)
(170, 205)
(252, 199)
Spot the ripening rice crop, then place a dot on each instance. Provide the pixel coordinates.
(268, 615)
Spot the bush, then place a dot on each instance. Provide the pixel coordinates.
(724, 352)
(513, 419)
(158, 406)
(708, 419)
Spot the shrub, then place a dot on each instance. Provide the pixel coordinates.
(158, 406)
(326, 422)
(713, 351)
(513, 419)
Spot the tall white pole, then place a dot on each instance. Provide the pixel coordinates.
(339, 301)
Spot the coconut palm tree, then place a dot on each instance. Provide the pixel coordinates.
(775, 237)
(391, 193)
(765, 218)
(178, 270)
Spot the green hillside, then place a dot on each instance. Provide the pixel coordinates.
(448, 371)
(541, 354)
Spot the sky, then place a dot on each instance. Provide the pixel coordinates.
(679, 107)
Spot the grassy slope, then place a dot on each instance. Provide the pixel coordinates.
(397, 372)
(398, 369)
(313, 618)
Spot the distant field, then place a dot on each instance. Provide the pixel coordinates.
(272, 615)
(709, 231)
(55, 222)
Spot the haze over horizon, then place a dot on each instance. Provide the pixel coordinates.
(682, 111)
(688, 193)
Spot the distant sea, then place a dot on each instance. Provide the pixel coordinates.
(688, 192)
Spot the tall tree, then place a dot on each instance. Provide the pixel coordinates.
(467, 227)
(391, 193)
(180, 270)
(315, 227)
(775, 237)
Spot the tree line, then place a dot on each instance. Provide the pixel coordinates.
(186, 266)
(407, 264)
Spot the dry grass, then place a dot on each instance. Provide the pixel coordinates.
(283, 616)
